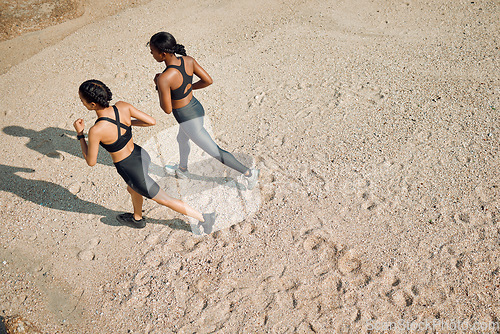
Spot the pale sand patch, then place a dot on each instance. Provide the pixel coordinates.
(375, 125)
(29, 26)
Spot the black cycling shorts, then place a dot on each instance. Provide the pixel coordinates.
(134, 170)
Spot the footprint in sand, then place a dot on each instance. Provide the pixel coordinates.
(87, 254)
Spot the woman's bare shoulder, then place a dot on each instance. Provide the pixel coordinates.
(122, 104)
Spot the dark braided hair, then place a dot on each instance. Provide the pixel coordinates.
(96, 91)
(165, 42)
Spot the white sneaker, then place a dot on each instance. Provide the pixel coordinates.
(175, 170)
(250, 181)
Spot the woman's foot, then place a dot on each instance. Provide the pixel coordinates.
(129, 220)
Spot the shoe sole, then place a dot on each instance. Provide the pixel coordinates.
(180, 175)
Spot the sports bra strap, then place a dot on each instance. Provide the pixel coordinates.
(117, 116)
(122, 140)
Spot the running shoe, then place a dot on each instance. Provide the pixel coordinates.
(175, 170)
(249, 181)
(252, 180)
(129, 220)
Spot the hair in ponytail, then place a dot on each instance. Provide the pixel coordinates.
(179, 49)
(96, 91)
(165, 42)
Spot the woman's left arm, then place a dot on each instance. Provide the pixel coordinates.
(205, 79)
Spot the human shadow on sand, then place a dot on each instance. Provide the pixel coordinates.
(203, 175)
(51, 195)
(51, 141)
(3, 329)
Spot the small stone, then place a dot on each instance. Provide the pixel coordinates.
(321, 269)
(402, 299)
(285, 300)
(17, 325)
(121, 75)
(202, 284)
(391, 279)
(347, 264)
(142, 278)
(174, 265)
(74, 188)
(152, 259)
(247, 228)
(191, 243)
(152, 239)
(86, 255)
(311, 243)
(55, 155)
(351, 298)
(361, 280)
(305, 328)
(94, 242)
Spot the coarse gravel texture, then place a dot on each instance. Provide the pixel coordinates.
(374, 125)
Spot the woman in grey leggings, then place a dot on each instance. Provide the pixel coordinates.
(175, 89)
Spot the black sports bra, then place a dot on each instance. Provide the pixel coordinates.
(122, 139)
(178, 94)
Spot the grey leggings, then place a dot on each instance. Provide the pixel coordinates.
(190, 118)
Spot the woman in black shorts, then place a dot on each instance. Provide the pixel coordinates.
(112, 130)
(175, 89)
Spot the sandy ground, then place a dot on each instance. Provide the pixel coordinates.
(375, 126)
(29, 26)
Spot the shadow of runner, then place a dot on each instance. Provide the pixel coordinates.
(51, 140)
(54, 196)
(203, 175)
(3, 330)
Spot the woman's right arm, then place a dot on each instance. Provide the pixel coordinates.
(91, 149)
(141, 118)
(205, 79)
